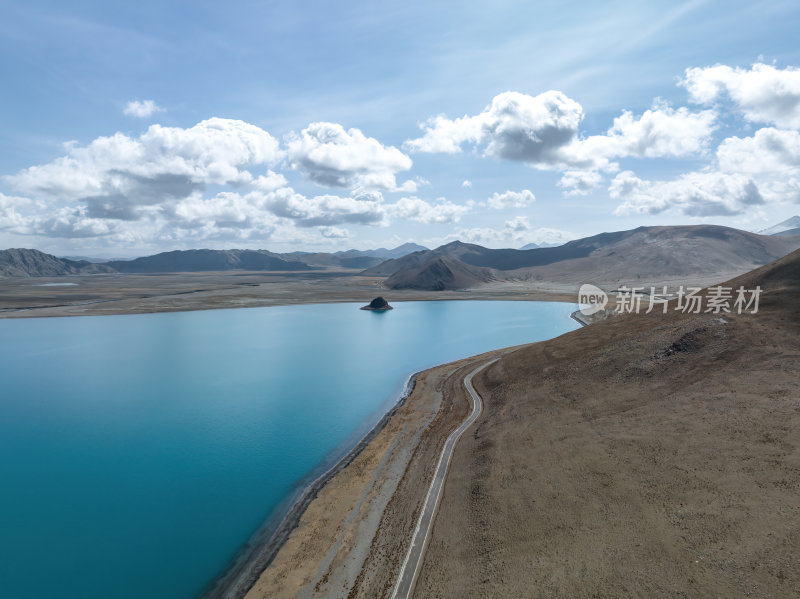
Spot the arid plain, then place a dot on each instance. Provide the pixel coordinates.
(645, 455)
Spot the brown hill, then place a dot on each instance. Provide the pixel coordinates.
(646, 253)
(438, 273)
(19, 262)
(207, 260)
(646, 455)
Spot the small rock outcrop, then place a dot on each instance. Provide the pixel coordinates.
(377, 305)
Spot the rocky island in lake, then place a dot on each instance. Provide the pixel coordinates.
(377, 305)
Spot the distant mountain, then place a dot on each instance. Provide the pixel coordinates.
(643, 253)
(33, 263)
(788, 233)
(326, 260)
(384, 254)
(359, 259)
(536, 246)
(437, 272)
(783, 228)
(207, 260)
(85, 259)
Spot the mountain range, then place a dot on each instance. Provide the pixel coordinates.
(791, 226)
(645, 253)
(34, 263)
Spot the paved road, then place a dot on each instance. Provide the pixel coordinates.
(408, 572)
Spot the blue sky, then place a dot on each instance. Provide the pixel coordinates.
(135, 127)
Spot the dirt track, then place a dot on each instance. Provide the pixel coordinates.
(638, 457)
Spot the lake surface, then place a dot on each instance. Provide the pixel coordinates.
(139, 453)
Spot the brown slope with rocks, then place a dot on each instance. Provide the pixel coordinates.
(208, 260)
(643, 254)
(20, 262)
(438, 274)
(642, 456)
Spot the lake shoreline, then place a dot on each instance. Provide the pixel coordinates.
(95, 295)
(417, 338)
(356, 516)
(263, 546)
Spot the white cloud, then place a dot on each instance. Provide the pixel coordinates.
(116, 176)
(515, 126)
(661, 131)
(325, 210)
(770, 150)
(764, 94)
(747, 173)
(441, 212)
(771, 157)
(698, 194)
(516, 232)
(70, 222)
(542, 131)
(518, 224)
(16, 213)
(580, 182)
(143, 109)
(226, 210)
(548, 236)
(331, 156)
(466, 183)
(270, 182)
(334, 233)
(511, 199)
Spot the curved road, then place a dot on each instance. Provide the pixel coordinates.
(410, 568)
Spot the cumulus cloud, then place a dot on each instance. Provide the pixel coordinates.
(515, 233)
(771, 157)
(747, 172)
(15, 213)
(118, 175)
(514, 126)
(334, 233)
(511, 199)
(580, 182)
(325, 210)
(270, 182)
(764, 93)
(518, 224)
(441, 212)
(661, 131)
(698, 194)
(69, 222)
(542, 131)
(331, 156)
(226, 210)
(466, 183)
(142, 109)
(550, 237)
(768, 151)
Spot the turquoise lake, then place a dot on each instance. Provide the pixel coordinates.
(139, 453)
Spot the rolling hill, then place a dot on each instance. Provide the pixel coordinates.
(649, 455)
(644, 253)
(207, 260)
(783, 228)
(20, 262)
(354, 258)
(33, 263)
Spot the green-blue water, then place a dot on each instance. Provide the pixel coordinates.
(138, 453)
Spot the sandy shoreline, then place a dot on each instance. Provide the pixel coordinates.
(261, 549)
(345, 543)
(101, 295)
